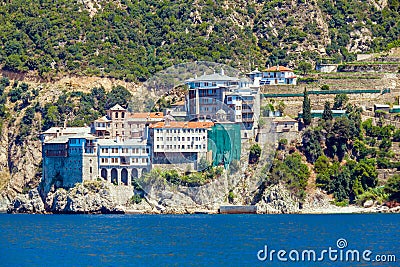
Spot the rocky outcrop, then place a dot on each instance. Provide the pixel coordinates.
(277, 199)
(27, 203)
(87, 197)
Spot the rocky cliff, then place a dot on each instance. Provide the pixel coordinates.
(88, 197)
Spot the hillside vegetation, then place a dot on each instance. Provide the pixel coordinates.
(133, 39)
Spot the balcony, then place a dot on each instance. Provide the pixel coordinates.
(247, 119)
(247, 110)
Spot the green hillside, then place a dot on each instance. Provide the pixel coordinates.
(133, 39)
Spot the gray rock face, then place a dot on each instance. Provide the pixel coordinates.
(277, 199)
(89, 197)
(27, 203)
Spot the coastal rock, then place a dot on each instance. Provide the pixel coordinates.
(27, 203)
(277, 199)
(368, 204)
(88, 197)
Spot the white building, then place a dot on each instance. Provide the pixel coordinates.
(180, 143)
(276, 75)
(121, 162)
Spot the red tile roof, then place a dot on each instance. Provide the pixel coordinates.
(279, 68)
(183, 124)
(145, 115)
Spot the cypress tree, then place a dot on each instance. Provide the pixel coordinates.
(306, 108)
(327, 114)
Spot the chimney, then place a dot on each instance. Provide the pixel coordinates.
(222, 71)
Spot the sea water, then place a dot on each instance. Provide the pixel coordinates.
(199, 240)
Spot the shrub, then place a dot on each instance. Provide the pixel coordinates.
(137, 199)
(325, 87)
(255, 153)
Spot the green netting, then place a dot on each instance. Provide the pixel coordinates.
(225, 143)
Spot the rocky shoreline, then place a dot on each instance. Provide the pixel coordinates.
(104, 198)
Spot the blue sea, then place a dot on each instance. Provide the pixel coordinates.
(198, 240)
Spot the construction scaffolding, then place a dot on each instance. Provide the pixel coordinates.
(224, 141)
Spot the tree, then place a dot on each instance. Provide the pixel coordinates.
(392, 187)
(304, 67)
(365, 172)
(337, 138)
(306, 108)
(312, 144)
(292, 172)
(118, 95)
(385, 144)
(327, 114)
(396, 136)
(281, 107)
(255, 153)
(51, 117)
(325, 87)
(340, 101)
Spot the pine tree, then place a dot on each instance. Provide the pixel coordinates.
(306, 108)
(327, 114)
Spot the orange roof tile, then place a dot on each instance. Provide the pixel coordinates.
(183, 124)
(279, 68)
(145, 115)
(179, 103)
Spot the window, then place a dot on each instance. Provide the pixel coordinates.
(158, 146)
(143, 150)
(183, 138)
(197, 84)
(214, 84)
(116, 115)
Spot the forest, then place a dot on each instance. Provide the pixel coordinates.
(132, 40)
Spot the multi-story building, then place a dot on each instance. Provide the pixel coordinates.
(219, 97)
(276, 75)
(69, 159)
(122, 161)
(180, 143)
(207, 94)
(122, 124)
